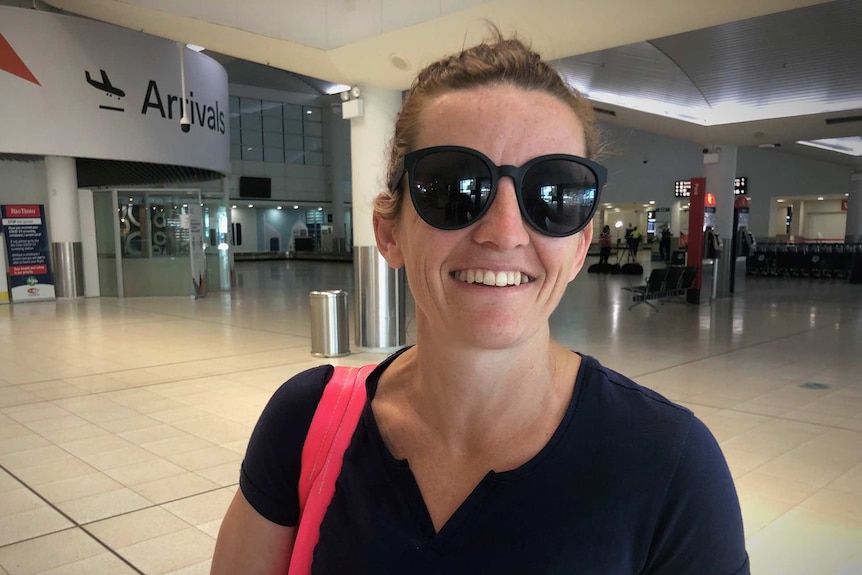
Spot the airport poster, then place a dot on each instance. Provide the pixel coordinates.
(27, 252)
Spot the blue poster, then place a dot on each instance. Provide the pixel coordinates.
(27, 252)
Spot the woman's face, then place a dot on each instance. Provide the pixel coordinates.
(511, 126)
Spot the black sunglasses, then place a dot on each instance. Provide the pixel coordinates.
(453, 186)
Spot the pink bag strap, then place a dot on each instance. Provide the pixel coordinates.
(329, 435)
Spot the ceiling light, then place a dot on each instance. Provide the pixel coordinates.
(279, 208)
(820, 198)
(308, 112)
(251, 205)
(233, 207)
(295, 207)
(338, 89)
(850, 146)
(619, 224)
(319, 209)
(195, 48)
(780, 201)
(652, 202)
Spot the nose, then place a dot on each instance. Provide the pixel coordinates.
(503, 226)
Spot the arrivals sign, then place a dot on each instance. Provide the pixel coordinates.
(27, 252)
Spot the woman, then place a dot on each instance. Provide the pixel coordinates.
(487, 447)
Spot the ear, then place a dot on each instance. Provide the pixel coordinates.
(585, 238)
(384, 233)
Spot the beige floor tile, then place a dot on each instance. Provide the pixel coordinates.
(31, 523)
(18, 500)
(119, 457)
(201, 508)
(162, 555)
(135, 527)
(181, 443)
(66, 468)
(202, 568)
(152, 434)
(146, 472)
(103, 564)
(77, 487)
(72, 434)
(48, 552)
(225, 474)
(103, 505)
(175, 487)
(22, 443)
(203, 458)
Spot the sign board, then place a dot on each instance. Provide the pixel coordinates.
(196, 250)
(80, 88)
(27, 252)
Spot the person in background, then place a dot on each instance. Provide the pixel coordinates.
(664, 245)
(605, 245)
(634, 243)
(488, 447)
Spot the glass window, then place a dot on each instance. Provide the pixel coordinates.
(311, 114)
(313, 129)
(271, 140)
(314, 158)
(272, 124)
(292, 112)
(313, 144)
(293, 127)
(273, 155)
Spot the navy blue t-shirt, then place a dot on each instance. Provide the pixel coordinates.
(630, 483)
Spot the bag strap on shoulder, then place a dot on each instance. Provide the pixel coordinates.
(329, 435)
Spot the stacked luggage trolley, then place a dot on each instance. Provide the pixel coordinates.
(814, 260)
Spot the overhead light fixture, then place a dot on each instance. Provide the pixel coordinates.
(355, 92)
(819, 198)
(780, 201)
(251, 205)
(279, 208)
(338, 89)
(319, 209)
(851, 146)
(195, 48)
(652, 202)
(295, 207)
(232, 207)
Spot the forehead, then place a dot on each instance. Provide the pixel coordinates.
(509, 125)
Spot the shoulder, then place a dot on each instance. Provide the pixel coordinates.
(270, 470)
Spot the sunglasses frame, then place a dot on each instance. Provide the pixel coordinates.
(411, 159)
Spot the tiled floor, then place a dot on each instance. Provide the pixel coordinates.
(122, 423)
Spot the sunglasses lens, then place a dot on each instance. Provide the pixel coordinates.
(450, 189)
(559, 196)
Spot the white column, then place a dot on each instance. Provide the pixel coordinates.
(853, 230)
(64, 226)
(378, 289)
(720, 177)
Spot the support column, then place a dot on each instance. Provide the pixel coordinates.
(720, 177)
(64, 226)
(379, 291)
(853, 229)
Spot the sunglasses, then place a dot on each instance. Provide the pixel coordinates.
(452, 187)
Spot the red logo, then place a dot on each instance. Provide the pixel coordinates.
(843, 205)
(12, 63)
(22, 211)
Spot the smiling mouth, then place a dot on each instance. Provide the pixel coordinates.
(492, 278)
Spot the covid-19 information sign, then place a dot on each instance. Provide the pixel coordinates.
(27, 252)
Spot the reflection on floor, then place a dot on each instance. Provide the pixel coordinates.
(122, 423)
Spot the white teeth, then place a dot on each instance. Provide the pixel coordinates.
(491, 278)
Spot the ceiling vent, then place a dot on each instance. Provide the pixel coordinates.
(844, 120)
(604, 111)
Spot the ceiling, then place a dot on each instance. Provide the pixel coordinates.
(734, 72)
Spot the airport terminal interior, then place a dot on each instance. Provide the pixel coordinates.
(123, 422)
(124, 417)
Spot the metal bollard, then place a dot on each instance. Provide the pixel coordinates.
(329, 330)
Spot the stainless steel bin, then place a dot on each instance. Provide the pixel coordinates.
(330, 336)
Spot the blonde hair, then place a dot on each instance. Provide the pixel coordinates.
(499, 60)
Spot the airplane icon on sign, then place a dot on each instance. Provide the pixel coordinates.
(109, 89)
(105, 85)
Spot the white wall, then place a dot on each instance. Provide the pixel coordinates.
(773, 174)
(23, 183)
